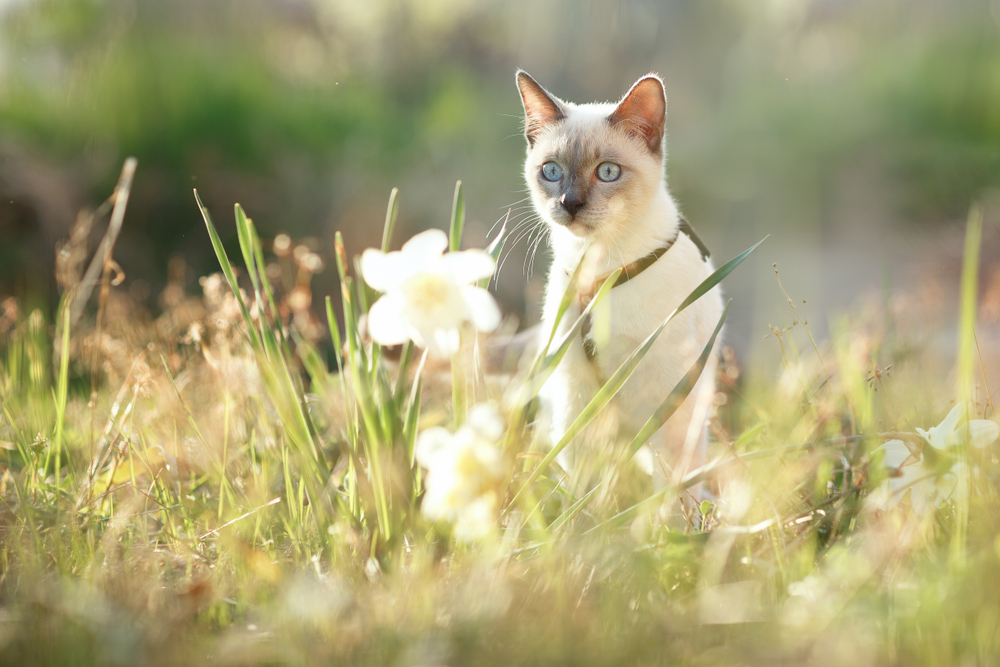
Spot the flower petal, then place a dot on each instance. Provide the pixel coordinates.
(486, 421)
(483, 309)
(944, 487)
(427, 245)
(983, 432)
(923, 497)
(488, 459)
(435, 504)
(373, 269)
(432, 445)
(385, 271)
(477, 518)
(433, 300)
(469, 265)
(895, 453)
(941, 435)
(386, 325)
(646, 460)
(884, 497)
(954, 484)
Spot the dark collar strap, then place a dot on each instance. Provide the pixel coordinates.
(688, 230)
(633, 269)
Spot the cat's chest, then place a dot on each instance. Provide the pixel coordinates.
(634, 310)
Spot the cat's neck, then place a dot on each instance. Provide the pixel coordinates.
(613, 248)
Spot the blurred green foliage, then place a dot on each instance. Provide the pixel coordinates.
(816, 117)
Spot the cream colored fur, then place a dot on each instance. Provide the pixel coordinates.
(623, 221)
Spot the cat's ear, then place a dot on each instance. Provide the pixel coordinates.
(540, 107)
(643, 112)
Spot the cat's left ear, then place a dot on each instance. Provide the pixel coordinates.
(541, 108)
(643, 112)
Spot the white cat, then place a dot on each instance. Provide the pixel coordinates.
(596, 173)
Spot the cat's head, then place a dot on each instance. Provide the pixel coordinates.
(594, 168)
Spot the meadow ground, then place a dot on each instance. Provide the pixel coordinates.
(216, 485)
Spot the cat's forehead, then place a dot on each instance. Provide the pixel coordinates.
(584, 134)
(576, 145)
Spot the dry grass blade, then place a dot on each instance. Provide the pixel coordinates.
(103, 254)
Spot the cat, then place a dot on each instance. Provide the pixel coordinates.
(596, 177)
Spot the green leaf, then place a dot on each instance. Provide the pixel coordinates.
(227, 270)
(246, 247)
(677, 395)
(574, 509)
(457, 219)
(547, 364)
(392, 210)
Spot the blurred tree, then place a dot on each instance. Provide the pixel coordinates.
(820, 116)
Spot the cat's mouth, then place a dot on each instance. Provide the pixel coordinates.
(577, 225)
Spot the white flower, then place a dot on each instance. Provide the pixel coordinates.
(908, 473)
(980, 432)
(426, 295)
(465, 471)
(927, 488)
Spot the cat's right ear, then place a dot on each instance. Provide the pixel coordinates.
(643, 112)
(540, 107)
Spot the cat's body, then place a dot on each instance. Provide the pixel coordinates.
(626, 213)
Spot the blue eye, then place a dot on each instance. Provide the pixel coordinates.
(551, 171)
(608, 171)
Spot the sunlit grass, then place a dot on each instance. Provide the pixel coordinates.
(228, 483)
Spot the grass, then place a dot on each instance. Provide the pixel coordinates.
(214, 486)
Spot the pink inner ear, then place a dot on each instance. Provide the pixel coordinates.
(539, 108)
(643, 111)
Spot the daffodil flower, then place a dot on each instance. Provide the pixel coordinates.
(980, 432)
(465, 471)
(929, 489)
(428, 295)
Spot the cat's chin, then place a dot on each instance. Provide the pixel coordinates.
(577, 228)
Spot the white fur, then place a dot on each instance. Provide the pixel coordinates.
(625, 223)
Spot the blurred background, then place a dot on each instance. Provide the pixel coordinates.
(856, 133)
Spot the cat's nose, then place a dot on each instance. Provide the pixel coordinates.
(572, 203)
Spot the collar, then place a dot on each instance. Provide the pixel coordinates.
(633, 269)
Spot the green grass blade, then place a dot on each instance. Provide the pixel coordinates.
(693, 479)
(338, 345)
(392, 210)
(677, 395)
(413, 408)
(718, 276)
(459, 389)
(405, 359)
(62, 390)
(968, 303)
(227, 270)
(569, 294)
(547, 364)
(265, 282)
(457, 219)
(246, 247)
(574, 509)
